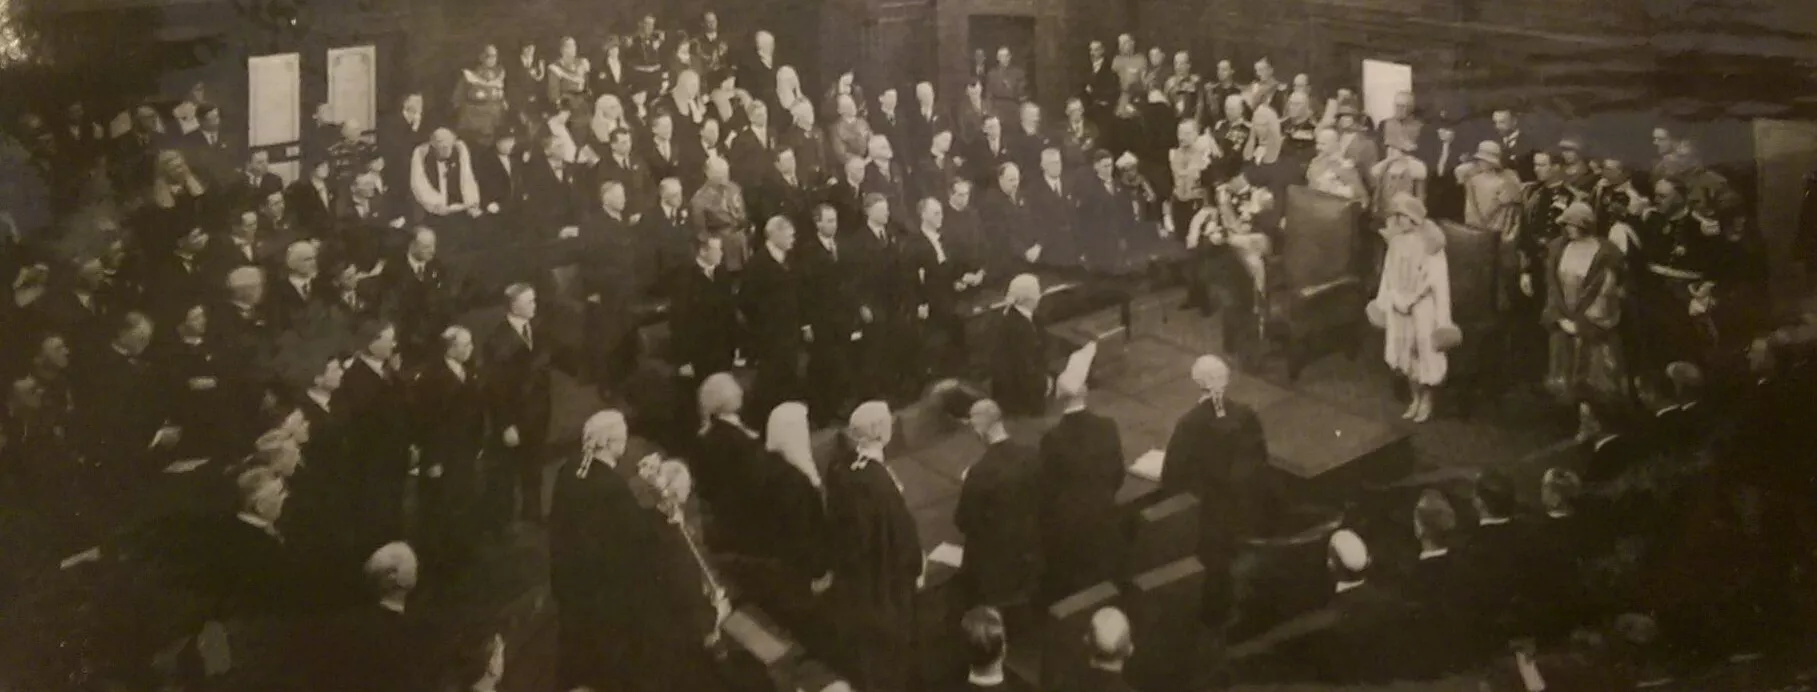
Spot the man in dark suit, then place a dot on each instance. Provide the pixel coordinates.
(877, 564)
(758, 74)
(552, 196)
(1491, 559)
(174, 281)
(1081, 471)
(703, 316)
(1444, 194)
(499, 174)
(449, 406)
(880, 286)
(662, 153)
(783, 192)
(79, 309)
(1516, 145)
(254, 183)
(847, 195)
(382, 645)
(921, 124)
(1439, 611)
(936, 169)
(399, 134)
(373, 396)
(888, 177)
(209, 148)
(997, 514)
(1217, 452)
(609, 278)
(312, 201)
(126, 418)
(1101, 84)
(241, 246)
(752, 147)
(1019, 375)
(886, 122)
(667, 234)
(813, 158)
(296, 295)
(369, 226)
(519, 403)
(1052, 209)
(622, 165)
(416, 293)
(940, 276)
(771, 301)
(988, 153)
(829, 314)
(1361, 640)
(1029, 138)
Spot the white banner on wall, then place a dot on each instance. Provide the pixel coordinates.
(353, 85)
(1381, 81)
(274, 105)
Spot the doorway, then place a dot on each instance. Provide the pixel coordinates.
(989, 32)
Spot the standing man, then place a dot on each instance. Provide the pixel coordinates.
(417, 293)
(1101, 85)
(373, 397)
(771, 301)
(877, 561)
(828, 314)
(1217, 452)
(1514, 144)
(879, 287)
(1129, 64)
(449, 404)
(608, 271)
(598, 537)
(703, 322)
(1019, 379)
(1005, 85)
(718, 210)
(518, 394)
(941, 275)
(1081, 471)
(997, 515)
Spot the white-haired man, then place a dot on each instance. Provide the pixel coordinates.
(1215, 452)
(1363, 642)
(598, 537)
(876, 552)
(1019, 374)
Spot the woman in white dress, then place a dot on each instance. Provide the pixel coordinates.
(1413, 303)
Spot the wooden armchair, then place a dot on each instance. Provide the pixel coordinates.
(1315, 298)
(1471, 253)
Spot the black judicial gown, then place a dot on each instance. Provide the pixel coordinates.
(876, 557)
(1218, 458)
(600, 540)
(998, 513)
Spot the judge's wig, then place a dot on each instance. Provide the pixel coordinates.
(720, 394)
(870, 423)
(789, 435)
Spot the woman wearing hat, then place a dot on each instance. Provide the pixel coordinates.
(1413, 303)
(1583, 309)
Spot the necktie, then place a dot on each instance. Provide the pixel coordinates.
(528, 342)
(1217, 404)
(832, 248)
(419, 277)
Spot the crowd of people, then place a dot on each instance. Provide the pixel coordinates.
(189, 334)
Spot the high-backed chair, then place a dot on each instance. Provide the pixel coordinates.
(1315, 294)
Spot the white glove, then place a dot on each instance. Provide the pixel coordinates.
(1526, 285)
(569, 232)
(511, 439)
(1033, 254)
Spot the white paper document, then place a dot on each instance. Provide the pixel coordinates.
(1148, 466)
(948, 554)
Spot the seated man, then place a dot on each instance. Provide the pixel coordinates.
(985, 648)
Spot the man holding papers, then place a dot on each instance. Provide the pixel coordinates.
(1081, 470)
(1216, 451)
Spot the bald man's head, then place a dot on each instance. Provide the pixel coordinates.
(1110, 640)
(1024, 291)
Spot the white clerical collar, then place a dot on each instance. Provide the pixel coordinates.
(987, 679)
(1348, 585)
(1434, 553)
(1492, 521)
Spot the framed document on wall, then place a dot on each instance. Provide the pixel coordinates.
(275, 109)
(353, 85)
(1381, 81)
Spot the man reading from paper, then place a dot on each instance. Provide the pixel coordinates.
(1216, 451)
(1081, 471)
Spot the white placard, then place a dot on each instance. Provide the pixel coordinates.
(1381, 81)
(353, 85)
(274, 99)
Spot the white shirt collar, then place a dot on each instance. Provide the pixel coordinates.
(1030, 314)
(1435, 552)
(1492, 521)
(378, 366)
(456, 367)
(991, 679)
(257, 522)
(319, 398)
(778, 255)
(1558, 514)
(1075, 407)
(1348, 585)
(517, 323)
